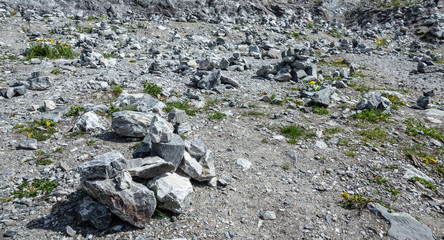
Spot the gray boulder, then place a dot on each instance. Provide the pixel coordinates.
(89, 122)
(402, 225)
(38, 82)
(142, 101)
(264, 70)
(93, 213)
(374, 100)
(171, 151)
(8, 92)
(323, 96)
(177, 116)
(144, 149)
(174, 192)
(150, 167)
(229, 81)
(160, 131)
(107, 165)
(131, 124)
(208, 168)
(191, 166)
(134, 205)
(211, 80)
(196, 148)
(29, 144)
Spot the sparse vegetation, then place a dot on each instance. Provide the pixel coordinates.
(43, 186)
(47, 48)
(373, 116)
(183, 105)
(294, 132)
(416, 128)
(40, 130)
(152, 89)
(75, 110)
(216, 116)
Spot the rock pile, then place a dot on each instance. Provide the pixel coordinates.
(133, 188)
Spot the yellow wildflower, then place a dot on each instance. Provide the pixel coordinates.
(356, 198)
(345, 195)
(312, 82)
(425, 160)
(299, 100)
(36, 40)
(48, 124)
(433, 160)
(403, 103)
(30, 134)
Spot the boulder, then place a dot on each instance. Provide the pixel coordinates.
(29, 144)
(90, 123)
(210, 81)
(196, 148)
(177, 116)
(208, 168)
(322, 96)
(107, 165)
(374, 100)
(142, 101)
(150, 167)
(134, 205)
(93, 213)
(174, 192)
(131, 124)
(38, 82)
(171, 151)
(191, 166)
(144, 149)
(160, 131)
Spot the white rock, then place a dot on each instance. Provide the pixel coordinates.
(174, 192)
(244, 163)
(160, 131)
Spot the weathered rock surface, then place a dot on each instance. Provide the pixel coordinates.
(131, 124)
(107, 165)
(93, 213)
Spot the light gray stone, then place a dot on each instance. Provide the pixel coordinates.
(160, 131)
(402, 225)
(177, 116)
(89, 122)
(210, 81)
(28, 143)
(174, 192)
(131, 124)
(183, 128)
(229, 81)
(374, 100)
(208, 168)
(411, 172)
(171, 151)
(323, 96)
(244, 163)
(20, 90)
(93, 213)
(190, 166)
(123, 180)
(134, 205)
(107, 165)
(150, 167)
(143, 102)
(268, 215)
(195, 147)
(39, 83)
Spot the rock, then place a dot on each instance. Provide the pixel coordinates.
(229, 81)
(323, 96)
(374, 100)
(210, 81)
(274, 53)
(196, 148)
(177, 116)
(171, 151)
(107, 165)
(174, 192)
(423, 102)
(29, 144)
(183, 128)
(131, 124)
(71, 232)
(402, 225)
(123, 180)
(8, 93)
(49, 105)
(244, 163)
(160, 131)
(144, 149)
(190, 166)
(411, 172)
(151, 167)
(223, 64)
(208, 168)
(89, 122)
(20, 90)
(263, 71)
(38, 82)
(135, 205)
(268, 215)
(93, 213)
(321, 144)
(292, 155)
(142, 101)
(300, 74)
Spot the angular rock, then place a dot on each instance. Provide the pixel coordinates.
(402, 225)
(159, 130)
(89, 122)
(423, 102)
(244, 163)
(374, 100)
(263, 71)
(93, 213)
(177, 116)
(183, 128)
(144, 149)
(151, 167)
(131, 124)
(208, 168)
(191, 167)
(143, 102)
(323, 96)
(123, 180)
(28, 143)
(135, 205)
(39, 83)
(210, 81)
(20, 90)
(8, 93)
(268, 215)
(170, 151)
(174, 192)
(229, 81)
(107, 165)
(411, 172)
(223, 64)
(196, 148)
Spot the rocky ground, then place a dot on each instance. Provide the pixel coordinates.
(323, 120)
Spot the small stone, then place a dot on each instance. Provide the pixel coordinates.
(160, 131)
(123, 180)
(71, 232)
(94, 213)
(28, 143)
(268, 215)
(49, 105)
(244, 163)
(103, 166)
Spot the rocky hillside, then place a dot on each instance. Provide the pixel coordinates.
(221, 119)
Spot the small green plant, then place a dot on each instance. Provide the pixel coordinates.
(75, 110)
(378, 179)
(47, 48)
(29, 190)
(76, 134)
(343, 142)
(253, 113)
(349, 153)
(112, 109)
(373, 115)
(395, 100)
(393, 191)
(320, 110)
(356, 201)
(334, 130)
(285, 167)
(135, 146)
(216, 116)
(293, 132)
(376, 133)
(415, 128)
(117, 90)
(90, 142)
(426, 183)
(184, 105)
(59, 150)
(56, 71)
(335, 33)
(392, 167)
(381, 42)
(152, 89)
(40, 130)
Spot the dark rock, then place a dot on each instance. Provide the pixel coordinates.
(106, 165)
(144, 149)
(211, 80)
(171, 151)
(94, 213)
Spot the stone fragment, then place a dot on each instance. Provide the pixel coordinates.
(174, 192)
(183, 128)
(144, 149)
(244, 163)
(159, 130)
(208, 168)
(196, 148)
(263, 71)
(89, 122)
(134, 205)
(8, 93)
(323, 96)
(93, 213)
(49, 105)
(38, 82)
(171, 151)
(71, 232)
(223, 64)
(142, 101)
(411, 172)
(190, 166)
(131, 124)
(20, 90)
(268, 215)
(402, 225)
(229, 81)
(107, 165)
(177, 116)
(374, 100)
(292, 155)
(29, 144)
(151, 167)
(123, 180)
(210, 81)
